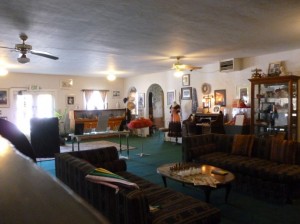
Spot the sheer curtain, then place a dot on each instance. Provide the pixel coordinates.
(95, 99)
(103, 94)
(87, 96)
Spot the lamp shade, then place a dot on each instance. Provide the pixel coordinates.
(23, 59)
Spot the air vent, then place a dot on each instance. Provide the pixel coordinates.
(230, 65)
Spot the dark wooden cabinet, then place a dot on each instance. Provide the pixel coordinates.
(274, 106)
(215, 122)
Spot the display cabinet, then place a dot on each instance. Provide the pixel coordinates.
(240, 122)
(274, 106)
(89, 118)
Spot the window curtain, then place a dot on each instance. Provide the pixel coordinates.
(87, 95)
(103, 94)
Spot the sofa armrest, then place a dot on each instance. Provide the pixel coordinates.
(103, 154)
(133, 207)
(113, 166)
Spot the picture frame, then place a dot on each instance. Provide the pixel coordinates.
(274, 69)
(186, 80)
(186, 93)
(4, 98)
(116, 94)
(141, 100)
(216, 109)
(70, 100)
(220, 97)
(66, 84)
(170, 97)
(243, 93)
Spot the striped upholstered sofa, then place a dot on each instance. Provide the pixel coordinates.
(268, 168)
(129, 206)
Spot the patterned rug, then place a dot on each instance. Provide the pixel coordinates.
(93, 145)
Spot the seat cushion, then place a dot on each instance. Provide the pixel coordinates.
(283, 151)
(242, 145)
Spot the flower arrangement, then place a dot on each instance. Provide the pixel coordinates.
(140, 123)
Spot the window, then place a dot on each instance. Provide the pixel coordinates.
(32, 104)
(95, 99)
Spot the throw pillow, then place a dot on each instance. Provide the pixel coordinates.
(105, 177)
(283, 151)
(242, 145)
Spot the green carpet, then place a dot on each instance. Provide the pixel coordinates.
(241, 208)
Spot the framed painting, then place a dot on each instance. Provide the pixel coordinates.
(4, 98)
(116, 94)
(170, 97)
(141, 99)
(216, 109)
(186, 80)
(66, 84)
(220, 97)
(274, 69)
(70, 100)
(186, 93)
(243, 93)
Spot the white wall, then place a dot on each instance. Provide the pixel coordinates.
(209, 74)
(230, 81)
(52, 82)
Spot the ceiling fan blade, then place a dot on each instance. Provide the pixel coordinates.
(11, 48)
(44, 54)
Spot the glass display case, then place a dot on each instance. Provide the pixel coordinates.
(274, 106)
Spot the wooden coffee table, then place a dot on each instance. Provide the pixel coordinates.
(223, 180)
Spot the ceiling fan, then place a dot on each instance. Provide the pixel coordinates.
(26, 48)
(178, 66)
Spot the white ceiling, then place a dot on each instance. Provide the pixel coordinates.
(138, 37)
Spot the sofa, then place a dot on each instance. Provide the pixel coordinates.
(268, 168)
(129, 206)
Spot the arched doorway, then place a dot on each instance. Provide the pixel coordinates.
(155, 96)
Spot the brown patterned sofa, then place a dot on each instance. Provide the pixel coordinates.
(268, 168)
(129, 206)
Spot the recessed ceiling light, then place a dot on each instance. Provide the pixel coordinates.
(3, 71)
(111, 77)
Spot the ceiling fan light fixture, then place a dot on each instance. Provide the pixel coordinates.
(178, 73)
(23, 59)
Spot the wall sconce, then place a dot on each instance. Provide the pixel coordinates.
(206, 101)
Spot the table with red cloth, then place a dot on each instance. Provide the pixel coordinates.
(140, 123)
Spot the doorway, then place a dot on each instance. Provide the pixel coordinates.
(156, 105)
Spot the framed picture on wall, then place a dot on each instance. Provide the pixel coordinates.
(70, 100)
(170, 97)
(4, 98)
(243, 92)
(116, 94)
(274, 69)
(186, 80)
(216, 109)
(66, 84)
(186, 93)
(220, 97)
(141, 100)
